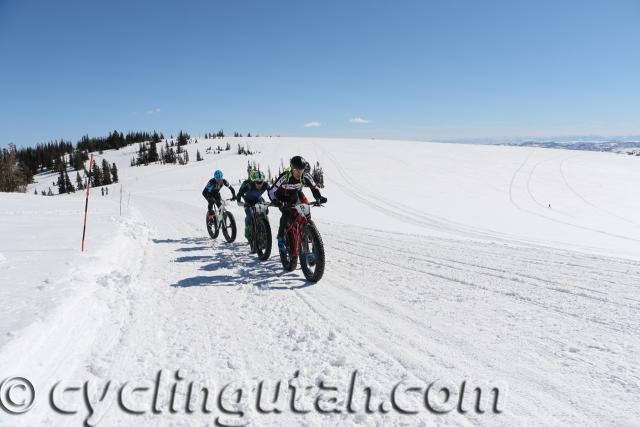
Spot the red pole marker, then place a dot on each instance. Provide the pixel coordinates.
(86, 203)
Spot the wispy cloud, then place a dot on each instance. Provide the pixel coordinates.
(312, 124)
(154, 111)
(359, 120)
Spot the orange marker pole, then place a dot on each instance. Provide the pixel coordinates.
(86, 203)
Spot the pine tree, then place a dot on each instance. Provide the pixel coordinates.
(318, 175)
(153, 152)
(170, 156)
(56, 164)
(50, 193)
(155, 138)
(143, 158)
(62, 185)
(67, 183)
(78, 161)
(198, 156)
(96, 175)
(35, 192)
(114, 172)
(79, 183)
(106, 172)
(183, 138)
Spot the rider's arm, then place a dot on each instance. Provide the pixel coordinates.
(242, 191)
(233, 192)
(308, 179)
(273, 191)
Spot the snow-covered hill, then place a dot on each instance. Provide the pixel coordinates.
(512, 266)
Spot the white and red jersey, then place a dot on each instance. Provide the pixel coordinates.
(288, 189)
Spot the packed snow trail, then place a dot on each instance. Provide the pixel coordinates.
(559, 328)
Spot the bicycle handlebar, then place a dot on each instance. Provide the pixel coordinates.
(244, 204)
(293, 205)
(282, 204)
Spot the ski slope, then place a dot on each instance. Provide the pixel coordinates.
(491, 264)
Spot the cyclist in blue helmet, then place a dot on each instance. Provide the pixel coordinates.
(211, 192)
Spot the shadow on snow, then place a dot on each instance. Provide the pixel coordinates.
(246, 268)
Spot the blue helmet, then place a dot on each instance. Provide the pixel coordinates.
(218, 174)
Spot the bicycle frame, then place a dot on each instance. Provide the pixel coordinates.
(257, 211)
(297, 224)
(219, 211)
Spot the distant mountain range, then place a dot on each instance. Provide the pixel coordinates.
(614, 146)
(627, 144)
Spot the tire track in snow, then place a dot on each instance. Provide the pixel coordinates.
(581, 197)
(413, 216)
(495, 273)
(570, 224)
(468, 284)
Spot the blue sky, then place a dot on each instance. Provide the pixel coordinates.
(435, 70)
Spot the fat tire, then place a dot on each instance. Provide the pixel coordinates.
(227, 217)
(311, 232)
(263, 252)
(213, 233)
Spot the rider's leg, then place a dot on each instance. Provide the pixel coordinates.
(214, 198)
(210, 211)
(247, 222)
(284, 222)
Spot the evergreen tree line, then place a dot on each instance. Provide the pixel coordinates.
(116, 140)
(220, 134)
(105, 175)
(316, 172)
(245, 151)
(44, 156)
(148, 153)
(218, 149)
(18, 166)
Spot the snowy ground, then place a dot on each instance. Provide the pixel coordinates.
(444, 262)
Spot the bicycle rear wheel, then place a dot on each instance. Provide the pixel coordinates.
(212, 229)
(262, 240)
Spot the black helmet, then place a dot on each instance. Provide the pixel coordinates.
(298, 162)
